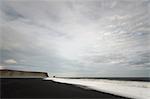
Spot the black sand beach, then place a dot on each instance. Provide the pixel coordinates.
(39, 88)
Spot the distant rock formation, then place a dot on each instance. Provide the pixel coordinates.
(18, 73)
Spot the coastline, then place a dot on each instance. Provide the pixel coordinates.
(39, 88)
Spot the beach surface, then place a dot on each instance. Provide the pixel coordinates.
(39, 88)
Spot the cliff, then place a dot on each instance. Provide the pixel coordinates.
(18, 73)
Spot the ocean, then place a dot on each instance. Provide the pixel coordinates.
(138, 88)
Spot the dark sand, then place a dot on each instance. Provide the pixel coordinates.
(38, 88)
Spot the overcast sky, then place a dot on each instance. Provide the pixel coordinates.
(76, 37)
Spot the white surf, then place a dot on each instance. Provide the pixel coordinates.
(131, 89)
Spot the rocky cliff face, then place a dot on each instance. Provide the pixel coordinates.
(17, 73)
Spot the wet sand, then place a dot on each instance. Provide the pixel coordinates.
(39, 88)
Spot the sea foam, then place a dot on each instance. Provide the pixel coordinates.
(131, 89)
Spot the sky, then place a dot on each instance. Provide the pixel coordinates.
(96, 38)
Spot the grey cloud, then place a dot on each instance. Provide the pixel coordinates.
(141, 60)
(8, 13)
(82, 37)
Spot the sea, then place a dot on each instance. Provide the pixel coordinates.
(130, 87)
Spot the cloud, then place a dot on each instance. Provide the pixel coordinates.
(75, 36)
(10, 61)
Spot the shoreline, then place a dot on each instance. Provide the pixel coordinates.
(39, 88)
